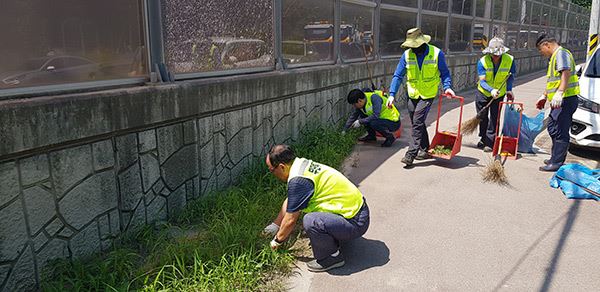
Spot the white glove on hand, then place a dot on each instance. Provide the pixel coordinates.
(356, 124)
(390, 102)
(495, 93)
(557, 99)
(274, 243)
(450, 91)
(271, 229)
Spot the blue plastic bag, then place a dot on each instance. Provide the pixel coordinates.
(530, 127)
(574, 179)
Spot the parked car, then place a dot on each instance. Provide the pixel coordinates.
(52, 69)
(242, 53)
(585, 129)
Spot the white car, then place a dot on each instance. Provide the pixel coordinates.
(585, 129)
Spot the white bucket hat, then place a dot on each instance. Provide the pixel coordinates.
(496, 47)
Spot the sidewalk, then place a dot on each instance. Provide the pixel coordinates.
(437, 226)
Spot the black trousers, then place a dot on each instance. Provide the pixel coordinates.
(558, 128)
(385, 127)
(418, 109)
(489, 118)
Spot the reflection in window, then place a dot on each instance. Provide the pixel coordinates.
(534, 32)
(481, 33)
(307, 28)
(498, 6)
(536, 14)
(499, 30)
(436, 5)
(545, 17)
(435, 26)
(394, 25)
(514, 11)
(482, 8)
(461, 7)
(407, 3)
(512, 37)
(460, 35)
(52, 42)
(525, 15)
(356, 31)
(217, 35)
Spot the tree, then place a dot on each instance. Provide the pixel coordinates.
(584, 3)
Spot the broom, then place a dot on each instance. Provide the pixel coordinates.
(468, 127)
(494, 171)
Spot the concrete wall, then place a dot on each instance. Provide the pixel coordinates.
(76, 171)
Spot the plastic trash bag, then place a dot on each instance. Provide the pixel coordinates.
(577, 181)
(531, 127)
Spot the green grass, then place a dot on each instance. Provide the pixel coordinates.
(213, 245)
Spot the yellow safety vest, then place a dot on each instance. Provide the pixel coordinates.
(422, 82)
(386, 113)
(554, 77)
(495, 81)
(334, 193)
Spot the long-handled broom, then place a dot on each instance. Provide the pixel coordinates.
(494, 171)
(468, 127)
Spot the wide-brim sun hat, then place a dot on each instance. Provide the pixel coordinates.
(415, 38)
(496, 47)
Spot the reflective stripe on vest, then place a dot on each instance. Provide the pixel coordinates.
(386, 113)
(554, 76)
(334, 193)
(422, 82)
(495, 80)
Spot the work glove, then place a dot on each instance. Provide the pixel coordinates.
(450, 92)
(495, 93)
(271, 229)
(557, 99)
(356, 124)
(509, 96)
(274, 243)
(541, 102)
(390, 102)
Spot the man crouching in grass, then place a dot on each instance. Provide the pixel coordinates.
(335, 209)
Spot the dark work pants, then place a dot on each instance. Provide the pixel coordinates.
(489, 118)
(384, 127)
(326, 230)
(417, 111)
(558, 128)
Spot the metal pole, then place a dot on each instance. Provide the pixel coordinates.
(278, 38)
(375, 31)
(155, 40)
(593, 30)
(337, 22)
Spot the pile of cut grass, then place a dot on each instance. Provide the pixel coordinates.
(213, 245)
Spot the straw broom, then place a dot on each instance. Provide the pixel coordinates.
(468, 127)
(494, 171)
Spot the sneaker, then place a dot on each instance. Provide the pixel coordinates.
(388, 142)
(407, 160)
(487, 149)
(480, 144)
(550, 167)
(326, 264)
(367, 138)
(423, 155)
(546, 161)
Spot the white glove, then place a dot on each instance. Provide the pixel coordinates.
(390, 102)
(274, 243)
(356, 124)
(557, 99)
(450, 91)
(271, 229)
(495, 93)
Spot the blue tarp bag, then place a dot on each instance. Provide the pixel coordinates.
(577, 181)
(530, 128)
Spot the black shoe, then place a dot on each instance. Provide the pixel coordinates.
(408, 160)
(388, 142)
(367, 138)
(326, 264)
(550, 167)
(480, 144)
(546, 161)
(487, 149)
(423, 155)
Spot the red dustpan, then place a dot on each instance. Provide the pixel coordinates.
(449, 140)
(507, 146)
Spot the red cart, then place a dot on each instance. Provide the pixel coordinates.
(449, 140)
(507, 146)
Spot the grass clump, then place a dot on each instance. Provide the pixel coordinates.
(214, 244)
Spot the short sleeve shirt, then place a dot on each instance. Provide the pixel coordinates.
(563, 61)
(300, 191)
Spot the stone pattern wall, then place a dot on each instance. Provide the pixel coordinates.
(71, 198)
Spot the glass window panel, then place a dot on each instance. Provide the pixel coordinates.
(53, 42)
(534, 32)
(499, 30)
(215, 35)
(482, 8)
(525, 15)
(514, 11)
(307, 28)
(498, 6)
(512, 37)
(460, 35)
(408, 3)
(436, 5)
(481, 33)
(560, 18)
(545, 17)
(435, 26)
(462, 7)
(394, 25)
(522, 37)
(536, 14)
(356, 31)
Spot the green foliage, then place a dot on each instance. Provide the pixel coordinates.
(213, 245)
(584, 3)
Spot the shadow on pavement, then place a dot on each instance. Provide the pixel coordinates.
(362, 254)
(455, 163)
